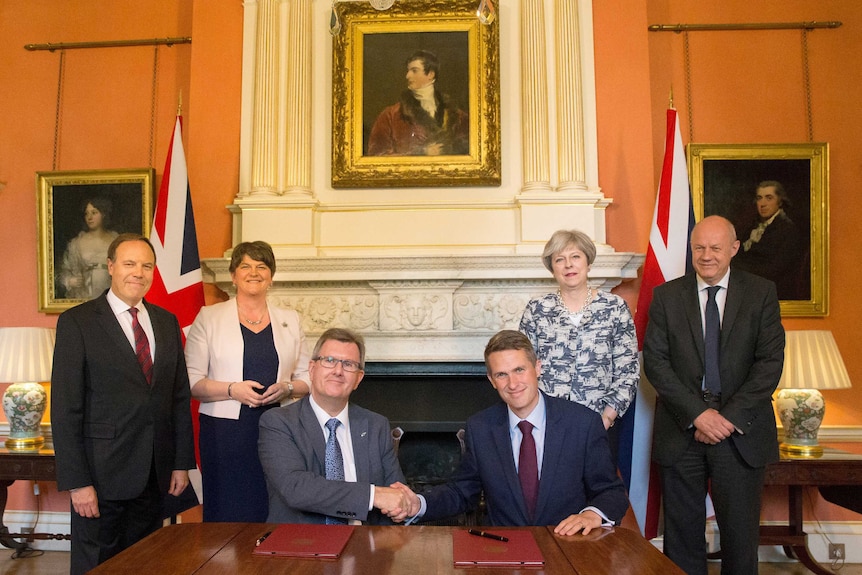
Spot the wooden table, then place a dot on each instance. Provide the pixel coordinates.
(37, 465)
(226, 548)
(834, 467)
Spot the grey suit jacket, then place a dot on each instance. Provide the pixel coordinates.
(751, 360)
(109, 425)
(292, 451)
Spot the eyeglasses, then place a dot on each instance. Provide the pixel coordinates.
(346, 364)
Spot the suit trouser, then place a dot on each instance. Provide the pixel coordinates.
(735, 488)
(120, 524)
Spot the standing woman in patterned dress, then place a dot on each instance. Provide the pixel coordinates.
(584, 337)
(244, 356)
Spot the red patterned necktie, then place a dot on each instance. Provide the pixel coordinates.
(142, 346)
(528, 469)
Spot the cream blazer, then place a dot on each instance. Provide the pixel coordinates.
(214, 350)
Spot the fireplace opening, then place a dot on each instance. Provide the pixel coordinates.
(430, 402)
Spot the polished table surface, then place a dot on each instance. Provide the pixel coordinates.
(226, 548)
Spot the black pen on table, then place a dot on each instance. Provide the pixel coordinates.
(478, 533)
(262, 538)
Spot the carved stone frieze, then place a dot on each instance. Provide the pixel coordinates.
(424, 309)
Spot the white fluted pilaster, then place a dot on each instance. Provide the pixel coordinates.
(297, 99)
(534, 99)
(264, 172)
(570, 110)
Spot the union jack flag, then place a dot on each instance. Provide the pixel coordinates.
(668, 257)
(177, 281)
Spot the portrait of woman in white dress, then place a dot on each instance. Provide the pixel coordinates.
(83, 272)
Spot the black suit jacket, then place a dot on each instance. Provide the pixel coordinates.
(109, 425)
(751, 360)
(577, 470)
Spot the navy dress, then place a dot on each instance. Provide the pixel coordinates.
(234, 486)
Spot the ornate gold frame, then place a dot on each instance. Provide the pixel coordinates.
(734, 170)
(59, 198)
(352, 169)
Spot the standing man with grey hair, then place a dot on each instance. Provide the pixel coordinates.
(119, 409)
(714, 351)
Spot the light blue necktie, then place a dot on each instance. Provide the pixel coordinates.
(334, 462)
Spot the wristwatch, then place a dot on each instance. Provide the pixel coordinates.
(289, 390)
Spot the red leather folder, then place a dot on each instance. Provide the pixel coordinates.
(474, 551)
(305, 540)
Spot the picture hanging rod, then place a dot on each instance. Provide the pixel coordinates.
(763, 26)
(52, 47)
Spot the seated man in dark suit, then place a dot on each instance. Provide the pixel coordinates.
(560, 475)
(326, 461)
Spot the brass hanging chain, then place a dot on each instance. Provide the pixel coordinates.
(58, 110)
(153, 106)
(687, 63)
(806, 80)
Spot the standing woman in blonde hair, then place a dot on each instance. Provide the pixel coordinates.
(584, 337)
(244, 357)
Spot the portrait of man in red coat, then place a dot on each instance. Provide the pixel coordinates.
(424, 121)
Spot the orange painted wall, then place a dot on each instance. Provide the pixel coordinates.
(746, 87)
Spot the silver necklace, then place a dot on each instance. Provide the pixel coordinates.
(587, 300)
(258, 322)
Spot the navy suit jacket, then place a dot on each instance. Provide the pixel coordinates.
(109, 425)
(751, 359)
(292, 451)
(577, 470)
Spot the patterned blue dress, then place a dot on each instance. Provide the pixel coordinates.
(593, 362)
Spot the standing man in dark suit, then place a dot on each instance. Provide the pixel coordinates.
(719, 434)
(304, 484)
(576, 486)
(119, 409)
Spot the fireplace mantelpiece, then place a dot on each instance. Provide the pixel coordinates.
(419, 308)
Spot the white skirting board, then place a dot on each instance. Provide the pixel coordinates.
(819, 536)
(52, 522)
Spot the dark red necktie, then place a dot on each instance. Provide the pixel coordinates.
(142, 346)
(528, 469)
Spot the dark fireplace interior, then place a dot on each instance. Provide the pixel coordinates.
(430, 402)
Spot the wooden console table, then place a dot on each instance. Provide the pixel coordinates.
(38, 465)
(834, 467)
(18, 464)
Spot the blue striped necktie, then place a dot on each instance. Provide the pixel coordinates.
(334, 462)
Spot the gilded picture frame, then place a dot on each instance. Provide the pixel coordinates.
(746, 183)
(79, 214)
(369, 65)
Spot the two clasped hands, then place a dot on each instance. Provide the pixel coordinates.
(400, 503)
(711, 427)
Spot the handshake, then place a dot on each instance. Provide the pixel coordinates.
(397, 501)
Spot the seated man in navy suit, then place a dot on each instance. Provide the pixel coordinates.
(562, 475)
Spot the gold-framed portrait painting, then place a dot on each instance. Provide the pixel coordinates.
(415, 96)
(777, 196)
(79, 215)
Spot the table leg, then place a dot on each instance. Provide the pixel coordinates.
(795, 519)
(6, 541)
